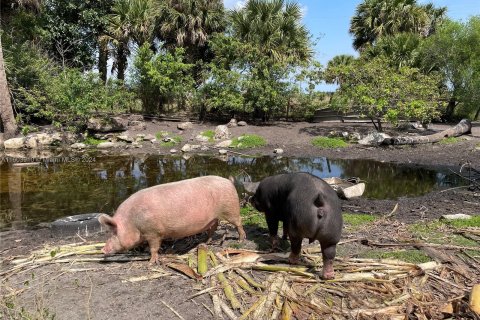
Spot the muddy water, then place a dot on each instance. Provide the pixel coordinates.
(69, 186)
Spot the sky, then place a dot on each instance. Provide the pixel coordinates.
(329, 20)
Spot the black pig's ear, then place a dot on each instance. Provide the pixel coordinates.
(108, 222)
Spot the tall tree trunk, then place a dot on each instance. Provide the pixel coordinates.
(102, 59)
(121, 62)
(452, 103)
(6, 111)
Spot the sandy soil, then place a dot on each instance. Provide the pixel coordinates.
(93, 290)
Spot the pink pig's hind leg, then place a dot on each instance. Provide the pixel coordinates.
(154, 242)
(237, 222)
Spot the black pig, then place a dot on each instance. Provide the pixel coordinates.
(308, 207)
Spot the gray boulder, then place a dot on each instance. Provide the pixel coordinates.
(107, 124)
(242, 123)
(375, 139)
(78, 145)
(185, 125)
(224, 144)
(31, 142)
(14, 143)
(137, 125)
(125, 137)
(201, 138)
(186, 148)
(221, 132)
(232, 123)
(278, 151)
(106, 145)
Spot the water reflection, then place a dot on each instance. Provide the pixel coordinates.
(43, 193)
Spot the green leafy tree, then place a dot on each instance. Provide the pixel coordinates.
(162, 79)
(380, 92)
(454, 51)
(334, 64)
(374, 19)
(8, 124)
(71, 29)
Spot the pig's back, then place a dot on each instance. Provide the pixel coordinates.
(182, 208)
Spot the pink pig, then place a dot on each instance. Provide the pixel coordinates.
(172, 210)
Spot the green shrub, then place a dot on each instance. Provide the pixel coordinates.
(328, 143)
(248, 141)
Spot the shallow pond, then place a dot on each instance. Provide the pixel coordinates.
(71, 185)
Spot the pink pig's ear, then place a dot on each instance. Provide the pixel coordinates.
(108, 221)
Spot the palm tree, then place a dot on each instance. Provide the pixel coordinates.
(376, 18)
(273, 26)
(130, 21)
(402, 49)
(190, 24)
(7, 117)
(186, 23)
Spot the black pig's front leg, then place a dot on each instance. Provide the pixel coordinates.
(272, 223)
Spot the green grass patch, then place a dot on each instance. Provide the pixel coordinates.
(164, 134)
(210, 134)
(354, 220)
(248, 141)
(92, 141)
(474, 221)
(412, 256)
(449, 140)
(250, 216)
(328, 143)
(438, 232)
(161, 134)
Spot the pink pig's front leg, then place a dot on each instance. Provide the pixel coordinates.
(154, 242)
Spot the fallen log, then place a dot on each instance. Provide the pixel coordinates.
(462, 127)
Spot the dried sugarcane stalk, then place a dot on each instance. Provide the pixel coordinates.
(228, 290)
(217, 309)
(286, 311)
(244, 285)
(202, 266)
(231, 315)
(297, 270)
(249, 279)
(475, 299)
(275, 288)
(255, 306)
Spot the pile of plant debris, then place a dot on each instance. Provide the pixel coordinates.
(248, 284)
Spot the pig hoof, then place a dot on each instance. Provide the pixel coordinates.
(154, 261)
(328, 275)
(294, 259)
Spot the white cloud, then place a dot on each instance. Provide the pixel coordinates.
(304, 10)
(233, 4)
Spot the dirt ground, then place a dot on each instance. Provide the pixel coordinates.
(102, 290)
